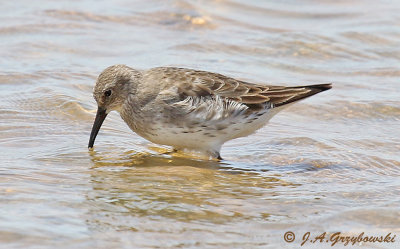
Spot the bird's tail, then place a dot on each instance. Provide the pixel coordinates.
(292, 94)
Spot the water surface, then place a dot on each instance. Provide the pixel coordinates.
(329, 163)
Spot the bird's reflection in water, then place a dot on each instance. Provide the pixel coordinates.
(160, 157)
(173, 188)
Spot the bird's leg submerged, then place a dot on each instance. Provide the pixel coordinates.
(209, 154)
(214, 154)
(174, 150)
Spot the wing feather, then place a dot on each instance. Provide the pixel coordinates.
(197, 83)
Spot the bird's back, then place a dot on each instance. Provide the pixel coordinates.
(196, 83)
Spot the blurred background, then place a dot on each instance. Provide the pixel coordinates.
(327, 164)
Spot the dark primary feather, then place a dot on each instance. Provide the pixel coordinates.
(201, 84)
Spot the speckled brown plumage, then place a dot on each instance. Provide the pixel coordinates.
(190, 109)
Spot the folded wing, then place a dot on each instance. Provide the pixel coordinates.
(203, 84)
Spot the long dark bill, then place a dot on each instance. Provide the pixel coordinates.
(100, 116)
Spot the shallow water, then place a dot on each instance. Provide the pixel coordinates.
(329, 163)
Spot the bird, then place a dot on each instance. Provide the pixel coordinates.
(190, 109)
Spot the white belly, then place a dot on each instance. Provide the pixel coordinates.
(206, 135)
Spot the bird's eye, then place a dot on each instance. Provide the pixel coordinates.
(107, 93)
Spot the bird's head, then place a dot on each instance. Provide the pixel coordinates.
(112, 88)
